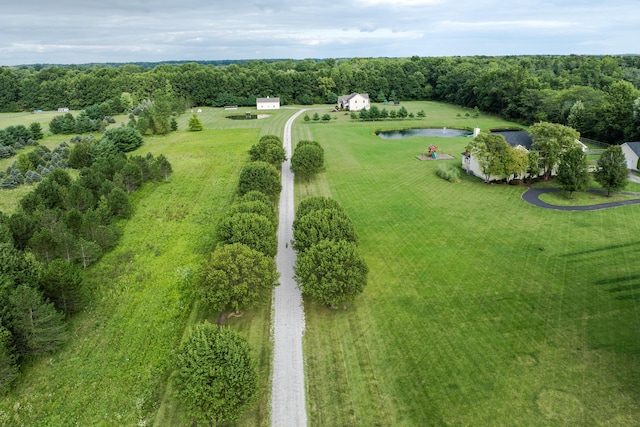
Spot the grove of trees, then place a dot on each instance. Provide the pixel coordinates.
(61, 226)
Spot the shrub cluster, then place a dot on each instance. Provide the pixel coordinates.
(449, 172)
(13, 138)
(269, 149)
(329, 268)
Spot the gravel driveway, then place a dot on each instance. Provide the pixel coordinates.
(288, 403)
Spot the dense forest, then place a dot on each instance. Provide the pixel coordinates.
(597, 95)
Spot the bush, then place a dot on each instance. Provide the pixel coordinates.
(216, 376)
(449, 172)
(260, 176)
(124, 138)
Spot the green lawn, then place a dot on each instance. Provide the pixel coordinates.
(480, 309)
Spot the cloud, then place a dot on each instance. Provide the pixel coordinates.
(81, 31)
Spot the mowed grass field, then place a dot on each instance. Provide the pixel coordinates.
(480, 309)
(115, 370)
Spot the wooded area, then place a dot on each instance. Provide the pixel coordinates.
(597, 95)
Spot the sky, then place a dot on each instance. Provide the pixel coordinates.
(99, 31)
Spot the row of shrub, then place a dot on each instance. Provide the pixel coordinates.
(374, 113)
(62, 226)
(239, 274)
(329, 268)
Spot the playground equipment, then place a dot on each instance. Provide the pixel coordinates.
(432, 151)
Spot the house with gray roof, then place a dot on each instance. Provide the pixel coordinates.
(520, 140)
(354, 102)
(631, 152)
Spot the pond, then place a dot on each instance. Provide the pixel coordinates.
(438, 132)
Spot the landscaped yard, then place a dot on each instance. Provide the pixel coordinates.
(480, 308)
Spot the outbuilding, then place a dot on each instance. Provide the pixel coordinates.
(268, 103)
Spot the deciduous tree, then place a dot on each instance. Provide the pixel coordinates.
(216, 376)
(612, 172)
(260, 176)
(550, 140)
(307, 160)
(324, 224)
(331, 272)
(237, 277)
(573, 174)
(251, 229)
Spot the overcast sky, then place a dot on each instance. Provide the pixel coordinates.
(82, 31)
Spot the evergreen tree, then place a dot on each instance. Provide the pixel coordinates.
(38, 327)
(195, 124)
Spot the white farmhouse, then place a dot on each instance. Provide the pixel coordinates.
(354, 102)
(631, 152)
(268, 103)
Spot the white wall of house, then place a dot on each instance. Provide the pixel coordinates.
(630, 156)
(358, 102)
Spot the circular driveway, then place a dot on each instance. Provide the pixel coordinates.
(532, 196)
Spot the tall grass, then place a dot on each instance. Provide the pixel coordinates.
(115, 369)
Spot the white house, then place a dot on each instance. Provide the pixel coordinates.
(631, 152)
(518, 139)
(354, 102)
(268, 103)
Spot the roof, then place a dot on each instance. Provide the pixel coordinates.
(515, 138)
(635, 147)
(267, 99)
(346, 98)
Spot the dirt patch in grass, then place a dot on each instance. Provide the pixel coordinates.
(559, 405)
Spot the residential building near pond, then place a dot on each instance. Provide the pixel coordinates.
(268, 103)
(520, 140)
(517, 139)
(354, 102)
(631, 152)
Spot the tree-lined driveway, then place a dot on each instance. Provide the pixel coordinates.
(288, 400)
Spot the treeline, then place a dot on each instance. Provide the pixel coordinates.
(61, 227)
(597, 95)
